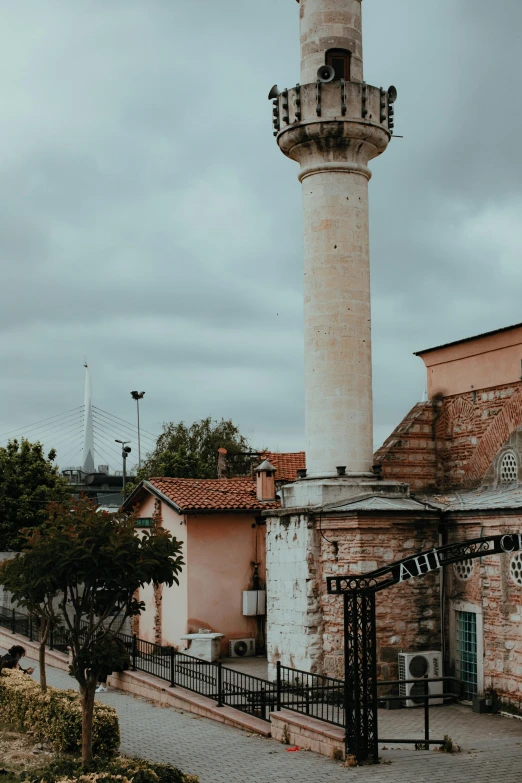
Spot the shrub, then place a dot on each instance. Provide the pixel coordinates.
(55, 715)
(117, 770)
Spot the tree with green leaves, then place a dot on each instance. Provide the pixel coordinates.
(30, 579)
(192, 451)
(99, 562)
(28, 483)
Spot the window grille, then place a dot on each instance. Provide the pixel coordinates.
(466, 649)
(508, 468)
(515, 569)
(464, 569)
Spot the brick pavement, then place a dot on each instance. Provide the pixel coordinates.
(492, 747)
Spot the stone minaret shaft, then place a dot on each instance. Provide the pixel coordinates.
(333, 125)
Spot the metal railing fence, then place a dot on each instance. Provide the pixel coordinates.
(315, 695)
(422, 699)
(310, 694)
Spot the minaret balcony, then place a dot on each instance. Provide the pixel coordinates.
(323, 110)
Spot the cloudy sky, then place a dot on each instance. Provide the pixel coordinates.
(150, 223)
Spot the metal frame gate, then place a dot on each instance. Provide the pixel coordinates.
(360, 646)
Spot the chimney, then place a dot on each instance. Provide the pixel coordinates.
(222, 463)
(265, 479)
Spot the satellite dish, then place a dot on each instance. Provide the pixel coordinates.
(274, 93)
(392, 94)
(326, 74)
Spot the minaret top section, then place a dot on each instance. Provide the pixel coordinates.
(331, 34)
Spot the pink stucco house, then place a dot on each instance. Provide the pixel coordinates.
(222, 529)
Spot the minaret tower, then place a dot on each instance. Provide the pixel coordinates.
(333, 124)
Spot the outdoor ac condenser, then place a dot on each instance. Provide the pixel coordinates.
(415, 666)
(241, 648)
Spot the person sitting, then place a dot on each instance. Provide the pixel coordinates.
(12, 658)
(120, 651)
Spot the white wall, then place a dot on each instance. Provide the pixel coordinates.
(295, 621)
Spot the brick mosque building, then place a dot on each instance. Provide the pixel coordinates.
(449, 471)
(460, 455)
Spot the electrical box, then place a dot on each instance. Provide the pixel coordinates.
(254, 603)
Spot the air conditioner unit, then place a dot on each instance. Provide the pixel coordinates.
(415, 666)
(241, 648)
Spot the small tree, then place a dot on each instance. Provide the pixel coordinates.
(31, 581)
(192, 452)
(28, 483)
(99, 563)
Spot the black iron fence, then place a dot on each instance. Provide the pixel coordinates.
(23, 624)
(451, 690)
(311, 694)
(228, 687)
(314, 695)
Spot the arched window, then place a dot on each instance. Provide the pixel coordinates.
(339, 59)
(508, 468)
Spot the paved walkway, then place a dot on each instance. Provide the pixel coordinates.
(256, 667)
(492, 747)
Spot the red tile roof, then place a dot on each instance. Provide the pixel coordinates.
(286, 465)
(235, 494)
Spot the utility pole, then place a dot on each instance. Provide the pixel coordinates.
(125, 451)
(138, 396)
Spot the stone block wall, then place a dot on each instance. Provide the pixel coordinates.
(305, 625)
(294, 627)
(408, 615)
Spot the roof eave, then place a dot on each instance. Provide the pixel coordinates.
(152, 490)
(467, 339)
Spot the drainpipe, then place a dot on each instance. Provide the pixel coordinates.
(443, 540)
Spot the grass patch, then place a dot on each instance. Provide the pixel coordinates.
(24, 759)
(20, 753)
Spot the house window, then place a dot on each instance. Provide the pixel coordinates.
(466, 657)
(144, 522)
(339, 59)
(508, 468)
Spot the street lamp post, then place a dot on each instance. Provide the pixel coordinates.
(125, 451)
(138, 396)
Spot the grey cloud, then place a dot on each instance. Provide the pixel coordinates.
(148, 220)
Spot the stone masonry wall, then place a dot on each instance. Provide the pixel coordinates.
(410, 453)
(294, 627)
(452, 442)
(408, 615)
(305, 625)
(492, 589)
